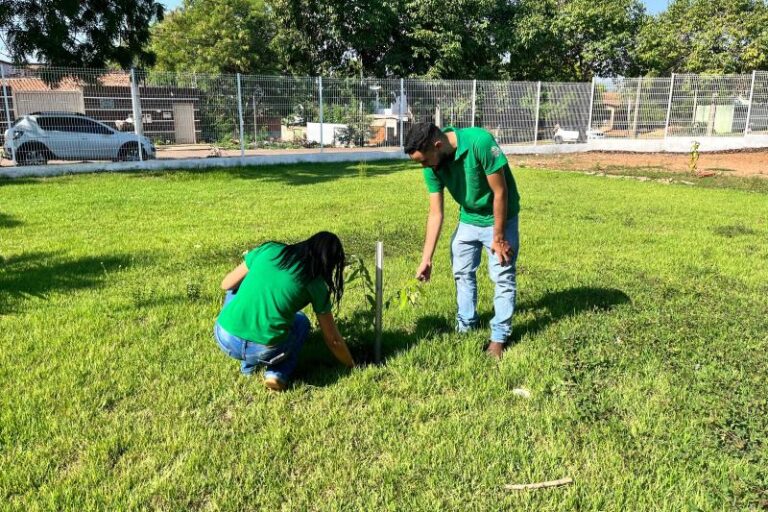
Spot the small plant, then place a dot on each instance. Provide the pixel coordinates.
(693, 162)
(193, 291)
(407, 295)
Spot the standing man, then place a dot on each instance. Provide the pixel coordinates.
(470, 164)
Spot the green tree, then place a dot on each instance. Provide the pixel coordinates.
(338, 37)
(85, 33)
(458, 39)
(572, 39)
(706, 36)
(215, 36)
(391, 37)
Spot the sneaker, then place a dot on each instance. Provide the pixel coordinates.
(274, 383)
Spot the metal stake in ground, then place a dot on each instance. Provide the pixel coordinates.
(379, 300)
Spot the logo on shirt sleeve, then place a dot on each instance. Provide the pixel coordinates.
(496, 151)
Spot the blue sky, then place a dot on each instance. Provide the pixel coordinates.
(653, 6)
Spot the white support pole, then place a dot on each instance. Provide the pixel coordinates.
(138, 121)
(240, 115)
(255, 125)
(669, 104)
(320, 94)
(591, 106)
(379, 299)
(474, 100)
(6, 92)
(536, 122)
(749, 107)
(637, 108)
(400, 113)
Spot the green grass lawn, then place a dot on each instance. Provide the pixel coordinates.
(641, 333)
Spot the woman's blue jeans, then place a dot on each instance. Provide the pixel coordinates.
(279, 360)
(466, 247)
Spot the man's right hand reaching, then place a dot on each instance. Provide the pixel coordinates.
(425, 271)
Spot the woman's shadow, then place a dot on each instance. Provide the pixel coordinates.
(317, 367)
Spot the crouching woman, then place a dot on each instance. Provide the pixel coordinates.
(261, 323)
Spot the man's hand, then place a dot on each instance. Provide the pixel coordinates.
(503, 251)
(425, 271)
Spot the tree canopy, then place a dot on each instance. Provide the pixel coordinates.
(213, 36)
(483, 39)
(706, 36)
(82, 33)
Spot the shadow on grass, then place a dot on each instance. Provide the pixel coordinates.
(311, 174)
(17, 181)
(319, 368)
(555, 306)
(37, 274)
(8, 221)
(292, 174)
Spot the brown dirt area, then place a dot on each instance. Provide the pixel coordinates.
(736, 163)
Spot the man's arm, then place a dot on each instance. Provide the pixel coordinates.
(500, 246)
(434, 225)
(333, 339)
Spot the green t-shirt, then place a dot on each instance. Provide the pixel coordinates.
(477, 155)
(269, 297)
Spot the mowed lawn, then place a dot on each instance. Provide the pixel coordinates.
(641, 334)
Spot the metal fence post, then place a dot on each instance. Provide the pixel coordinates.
(536, 122)
(400, 113)
(6, 91)
(669, 104)
(637, 108)
(749, 107)
(138, 121)
(320, 92)
(591, 106)
(240, 115)
(474, 100)
(379, 300)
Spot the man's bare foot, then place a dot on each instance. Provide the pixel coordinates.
(495, 348)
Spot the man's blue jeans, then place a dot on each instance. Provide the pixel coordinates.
(280, 360)
(466, 246)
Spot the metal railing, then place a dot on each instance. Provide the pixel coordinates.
(59, 114)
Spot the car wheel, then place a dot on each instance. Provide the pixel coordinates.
(32, 155)
(130, 153)
(558, 139)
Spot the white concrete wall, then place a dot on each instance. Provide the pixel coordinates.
(668, 145)
(200, 163)
(329, 132)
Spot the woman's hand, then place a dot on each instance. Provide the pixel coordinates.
(334, 341)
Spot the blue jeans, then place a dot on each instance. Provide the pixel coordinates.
(280, 360)
(466, 246)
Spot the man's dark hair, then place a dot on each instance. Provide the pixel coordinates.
(420, 136)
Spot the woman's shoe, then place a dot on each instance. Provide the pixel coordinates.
(274, 383)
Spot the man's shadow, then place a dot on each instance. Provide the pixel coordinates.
(554, 306)
(318, 367)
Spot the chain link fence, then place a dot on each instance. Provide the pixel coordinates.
(52, 115)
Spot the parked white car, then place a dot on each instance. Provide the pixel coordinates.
(42, 136)
(560, 136)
